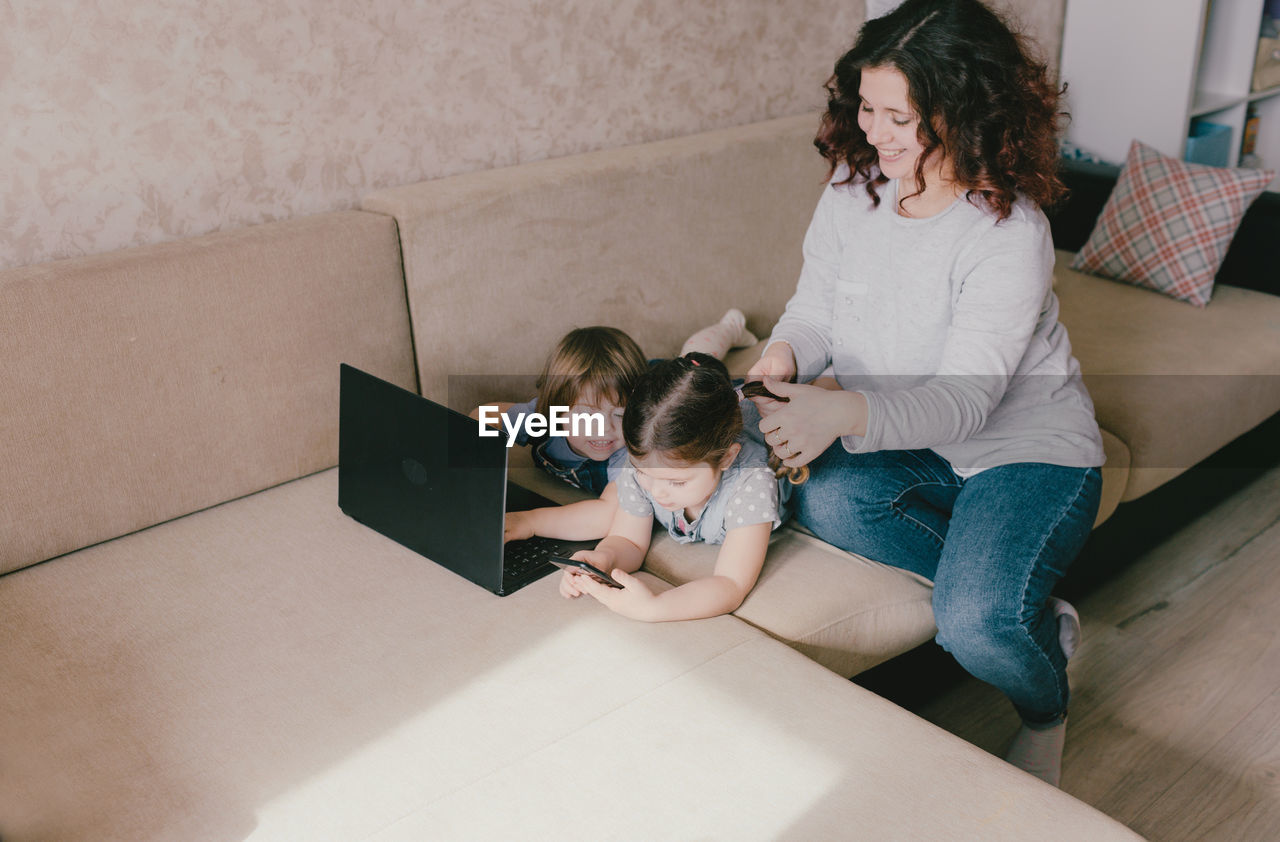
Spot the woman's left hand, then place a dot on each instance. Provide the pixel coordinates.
(634, 599)
(813, 417)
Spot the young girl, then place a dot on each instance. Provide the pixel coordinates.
(592, 370)
(694, 468)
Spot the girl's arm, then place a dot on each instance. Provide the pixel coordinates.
(737, 567)
(623, 549)
(586, 520)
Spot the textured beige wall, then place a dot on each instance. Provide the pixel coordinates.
(136, 121)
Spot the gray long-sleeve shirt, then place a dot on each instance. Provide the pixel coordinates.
(948, 325)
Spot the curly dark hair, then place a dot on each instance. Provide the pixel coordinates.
(984, 102)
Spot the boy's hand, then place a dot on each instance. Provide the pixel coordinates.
(634, 600)
(517, 526)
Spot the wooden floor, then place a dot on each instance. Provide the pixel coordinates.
(1174, 727)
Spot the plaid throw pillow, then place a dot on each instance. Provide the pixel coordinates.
(1167, 224)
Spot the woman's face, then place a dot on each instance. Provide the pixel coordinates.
(889, 120)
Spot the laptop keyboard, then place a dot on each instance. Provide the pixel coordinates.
(521, 558)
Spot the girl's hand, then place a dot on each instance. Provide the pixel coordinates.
(570, 586)
(572, 581)
(633, 600)
(802, 428)
(517, 526)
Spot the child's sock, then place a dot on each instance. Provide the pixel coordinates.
(1039, 752)
(716, 340)
(1069, 632)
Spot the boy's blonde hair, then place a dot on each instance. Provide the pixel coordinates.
(599, 361)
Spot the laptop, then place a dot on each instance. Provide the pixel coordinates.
(422, 475)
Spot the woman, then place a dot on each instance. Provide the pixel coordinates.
(962, 444)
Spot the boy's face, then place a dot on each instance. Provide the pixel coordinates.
(598, 448)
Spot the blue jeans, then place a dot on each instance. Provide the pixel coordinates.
(994, 545)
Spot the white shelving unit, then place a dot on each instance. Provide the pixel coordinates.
(1142, 69)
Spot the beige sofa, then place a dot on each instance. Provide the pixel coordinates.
(196, 644)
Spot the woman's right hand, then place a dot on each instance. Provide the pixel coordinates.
(777, 363)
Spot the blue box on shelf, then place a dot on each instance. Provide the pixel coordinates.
(1209, 143)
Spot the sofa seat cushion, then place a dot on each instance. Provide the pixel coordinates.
(1115, 474)
(269, 668)
(1173, 382)
(842, 610)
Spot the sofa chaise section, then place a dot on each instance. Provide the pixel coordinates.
(270, 669)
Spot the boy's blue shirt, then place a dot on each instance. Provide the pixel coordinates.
(553, 455)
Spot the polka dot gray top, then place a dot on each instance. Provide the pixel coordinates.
(748, 493)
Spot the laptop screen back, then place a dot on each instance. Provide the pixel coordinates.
(421, 474)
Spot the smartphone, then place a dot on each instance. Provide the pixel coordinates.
(591, 570)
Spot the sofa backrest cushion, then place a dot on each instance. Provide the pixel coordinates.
(655, 239)
(148, 383)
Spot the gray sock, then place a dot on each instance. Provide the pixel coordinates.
(1069, 633)
(1039, 752)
